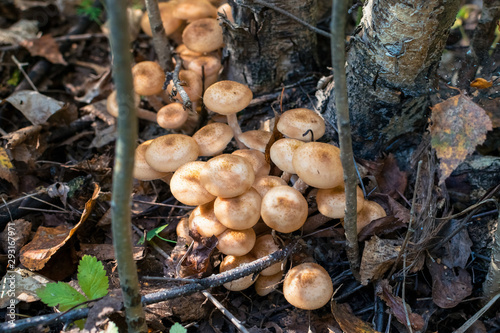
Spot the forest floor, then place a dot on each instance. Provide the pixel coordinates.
(56, 172)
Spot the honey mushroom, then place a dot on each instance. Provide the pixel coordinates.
(281, 154)
(173, 26)
(257, 159)
(203, 35)
(148, 80)
(213, 138)
(296, 123)
(265, 183)
(203, 220)
(112, 108)
(142, 170)
(265, 245)
(371, 211)
(265, 285)
(236, 242)
(331, 202)
(168, 152)
(256, 139)
(228, 98)
(172, 116)
(186, 187)
(230, 262)
(240, 212)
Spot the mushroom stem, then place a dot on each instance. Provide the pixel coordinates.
(146, 115)
(286, 176)
(232, 121)
(155, 101)
(300, 185)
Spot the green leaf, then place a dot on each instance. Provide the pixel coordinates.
(60, 293)
(154, 233)
(177, 328)
(92, 277)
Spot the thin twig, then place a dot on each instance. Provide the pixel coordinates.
(160, 39)
(124, 163)
(478, 315)
(225, 311)
(166, 294)
(26, 76)
(177, 83)
(290, 15)
(162, 204)
(339, 9)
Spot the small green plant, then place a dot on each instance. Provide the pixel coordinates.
(87, 8)
(155, 233)
(15, 78)
(92, 280)
(177, 328)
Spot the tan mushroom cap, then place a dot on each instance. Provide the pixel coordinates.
(142, 170)
(236, 242)
(192, 84)
(227, 97)
(148, 78)
(186, 55)
(203, 220)
(296, 122)
(256, 139)
(112, 104)
(265, 183)
(318, 164)
(170, 23)
(191, 10)
(308, 286)
(284, 209)
(265, 245)
(282, 151)
(203, 35)
(264, 285)
(257, 159)
(182, 230)
(239, 213)
(227, 176)
(186, 187)
(213, 138)
(371, 211)
(232, 262)
(331, 201)
(227, 10)
(168, 152)
(172, 116)
(208, 66)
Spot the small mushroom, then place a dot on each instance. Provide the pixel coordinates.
(186, 187)
(142, 170)
(112, 107)
(331, 201)
(264, 285)
(203, 35)
(256, 139)
(284, 209)
(236, 242)
(371, 211)
(265, 183)
(265, 245)
(203, 220)
(231, 262)
(213, 138)
(308, 286)
(257, 159)
(172, 116)
(296, 123)
(191, 10)
(239, 213)
(148, 81)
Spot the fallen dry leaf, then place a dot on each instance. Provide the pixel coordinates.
(348, 321)
(47, 241)
(46, 47)
(26, 283)
(36, 107)
(391, 180)
(378, 256)
(384, 291)
(19, 31)
(458, 248)
(458, 125)
(448, 288)
(481, 83)
(198, 260)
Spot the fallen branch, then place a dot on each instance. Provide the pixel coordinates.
(160, 39)
(160, 296)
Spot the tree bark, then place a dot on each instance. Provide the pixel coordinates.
(266, 48)
(391, 70)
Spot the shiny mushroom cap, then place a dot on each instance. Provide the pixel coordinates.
(236, 242)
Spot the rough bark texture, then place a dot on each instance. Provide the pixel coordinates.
(266, 48)
(391, 67)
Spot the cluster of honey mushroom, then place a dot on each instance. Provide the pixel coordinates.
(235, 197)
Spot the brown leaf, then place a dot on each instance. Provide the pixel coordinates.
(458, 248)
(378, 256)
(481, 83)
(348, 321)
(391, 179)
(392, 207)
(47, 241)
(198, 260)
(46, 47)
(382, 226)
(492, 108)
(384, 291)
(36, 107)
(458, 125)
(448, 288)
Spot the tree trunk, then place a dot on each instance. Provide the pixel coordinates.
(265, 48)
(391, 70)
